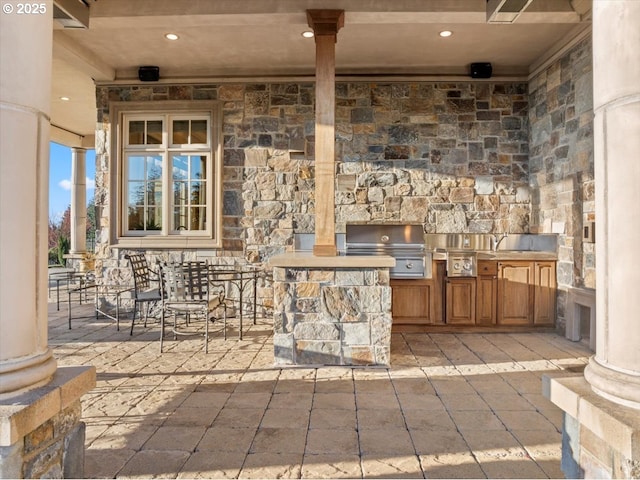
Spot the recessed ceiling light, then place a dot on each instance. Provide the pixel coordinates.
(65, 99)
(446, 33)
(171, 36)
(307, 34)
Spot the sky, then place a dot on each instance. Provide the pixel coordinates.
(60, 178)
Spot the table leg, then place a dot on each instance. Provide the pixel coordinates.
(118, 311)
(255, 297)
(240, 329)
(58, 294)
(241, 291)
(69, 310)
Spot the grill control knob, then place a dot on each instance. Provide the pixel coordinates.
(384, 238)
(409, 266)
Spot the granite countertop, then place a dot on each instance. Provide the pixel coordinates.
(501, 255)
(517, 255)
(308, 259)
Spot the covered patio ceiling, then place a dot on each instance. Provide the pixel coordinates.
(255, 40)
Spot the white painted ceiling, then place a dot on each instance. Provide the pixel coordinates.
(226, 39)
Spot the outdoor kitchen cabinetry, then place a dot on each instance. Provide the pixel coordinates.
(519, 293)
(526, 293)
(419, 301)
(461, 301)
(544, 296)
(486, 292)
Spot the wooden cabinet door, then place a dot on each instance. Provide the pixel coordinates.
(515, 293)
(419, 301)
(544, 309)
(439, 272)
(411, 301)
(461, 301)
(486, 292)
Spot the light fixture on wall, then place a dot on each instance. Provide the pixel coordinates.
(171, 36)
(149, 73)
(307, 34)
(480, 70)
(445, 33)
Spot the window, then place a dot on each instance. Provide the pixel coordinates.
(170, 178)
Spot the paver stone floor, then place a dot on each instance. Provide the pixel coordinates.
(451, 405)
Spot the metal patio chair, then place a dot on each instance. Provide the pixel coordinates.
(143, 292)
(188, 292)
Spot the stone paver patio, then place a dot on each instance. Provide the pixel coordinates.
(451, 406)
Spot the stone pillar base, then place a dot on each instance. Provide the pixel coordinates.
(601, 439)
(41, 435)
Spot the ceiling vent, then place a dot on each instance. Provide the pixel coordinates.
(71, 13)
(505, 11)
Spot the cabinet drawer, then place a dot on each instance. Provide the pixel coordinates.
(487, 268)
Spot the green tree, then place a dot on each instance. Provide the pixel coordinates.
(63, 248)
(59, 237)
(92, 224)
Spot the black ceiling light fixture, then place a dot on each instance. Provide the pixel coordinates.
(480, 70)
(149, 73)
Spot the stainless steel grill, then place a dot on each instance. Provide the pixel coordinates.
(405, 243)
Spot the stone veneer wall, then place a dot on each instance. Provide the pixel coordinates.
(332, 316)
(54, 449)
(43, 435)
(561, 165)
(452, 156)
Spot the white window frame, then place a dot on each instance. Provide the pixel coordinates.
(124, 112)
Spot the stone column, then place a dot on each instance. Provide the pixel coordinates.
(41, 432)
(25, 96)
(78, 201)
(614, 371)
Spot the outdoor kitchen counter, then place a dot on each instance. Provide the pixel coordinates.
(502, 255)
(308, 260)
(331, 310)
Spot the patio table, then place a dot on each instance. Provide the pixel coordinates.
(100, 290)
(67, 275)
(240, 277)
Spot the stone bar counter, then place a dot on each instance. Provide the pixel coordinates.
(331, 310)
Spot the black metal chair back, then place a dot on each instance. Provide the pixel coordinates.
(143, 292)
(196, 274)
(187, 290)
(140, 270)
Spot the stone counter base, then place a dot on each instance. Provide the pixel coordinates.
(332, 316)
(41, 435)
(600, 439)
